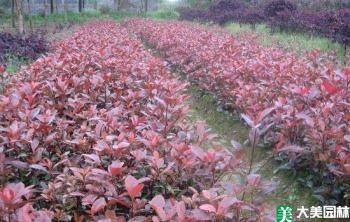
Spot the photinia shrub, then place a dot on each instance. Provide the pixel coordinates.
(273, 8)
(24, 47)
(96, 131)
(278, 14)
(298, 105)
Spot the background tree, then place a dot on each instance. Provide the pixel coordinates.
(145, 5)
(95, 4)
(19, 12)
(52, 9)
(115, 5)
(46, 5)
(65, 10)
(56, 6)
(80, 5)
(29, 4)
(13, 16)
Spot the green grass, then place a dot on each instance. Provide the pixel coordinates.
(164, 13)
(296, 42)
(81, 17)
(227, 125)
(204, 106)
(14, 63)
(11, 68)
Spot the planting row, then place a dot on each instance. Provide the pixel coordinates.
(21, 47)
(278, 14)
(95, 131)
(299, 105)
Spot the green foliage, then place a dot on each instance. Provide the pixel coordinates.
(163, 13)
(104, 9)
(14, 63)
(199, 3)
(293, 41)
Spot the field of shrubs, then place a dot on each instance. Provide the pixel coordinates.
(299, 105)
(279, 15)
(98, 124)
(96, 130)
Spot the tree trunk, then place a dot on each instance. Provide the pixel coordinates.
(65, 10)
(146, 5)
(46, 6)
(52, 9)
(80, 5)
(115, 5)
(19, 10)
(95, 5)
(13, 16)
(56, 6)
(29, 3)
(119, 5)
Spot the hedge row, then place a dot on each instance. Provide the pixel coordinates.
(96, 131)
(23, 47)
(278, 14)
(299, 106)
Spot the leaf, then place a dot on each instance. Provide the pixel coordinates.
(225, 204)
(25, 213)
(19, 164)
(121, 145)
(309, 121)
(201, 215)
(181, 211)
(35, 112)
(94, 157)
(265, 113)
(158, 204)
(253, 179)
(198, 152)
(248, 120)
(34, 144)
(347, 168)
(208, 208)
(236, 145)
(329, 87)
(304, 91)
(98, 205)
(292, 148)
(346, 71)
(132, 186)
(38, 167)
(116, 167)
(139, 154)
(347, 138)
(89, 199)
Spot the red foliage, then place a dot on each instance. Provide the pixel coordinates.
(300, 104)
(97, 129)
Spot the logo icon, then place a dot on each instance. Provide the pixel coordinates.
(284, 213)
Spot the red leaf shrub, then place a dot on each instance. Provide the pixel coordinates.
(96, 128)
(2, 69)
(298, 103)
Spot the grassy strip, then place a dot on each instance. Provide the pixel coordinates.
(297, 42)
(78, 18)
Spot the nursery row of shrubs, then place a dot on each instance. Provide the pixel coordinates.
(280, 15)
(297, 105)
(96, 131)
(23, 47)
